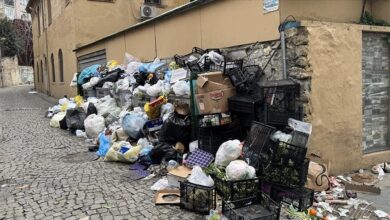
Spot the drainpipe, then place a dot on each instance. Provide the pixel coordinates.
(283, 45)
(282, 27)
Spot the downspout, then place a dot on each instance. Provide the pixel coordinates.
(282, 27)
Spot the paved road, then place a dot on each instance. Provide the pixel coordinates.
(39, 180)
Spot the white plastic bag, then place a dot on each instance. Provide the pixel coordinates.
(55, 120)
(240, 170)
(106, 106)
(108, 85)
(94, 81)
(129, 58)
(133, 67)
(227, 152)
(199, 177)
(156, 89)
(73, 83)
(87, 85)
(63, 101)
(122, 84)
(181, 88)
(194, 146)
(280, 136)
(80, 133)
(94, 124)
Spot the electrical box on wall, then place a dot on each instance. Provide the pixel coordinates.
(148, 11)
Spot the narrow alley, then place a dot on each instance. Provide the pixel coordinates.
(46, 173)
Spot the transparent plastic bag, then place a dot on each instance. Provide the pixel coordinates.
(199, 177)
(94, 124)
(227, 152)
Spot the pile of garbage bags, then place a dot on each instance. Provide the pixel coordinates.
(141, 126)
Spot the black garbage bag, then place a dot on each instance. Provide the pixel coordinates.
(140, 78)
(75, 118)
(163, 151)
(63, 124)
(111, 76)
(91, 109)
(177, 128)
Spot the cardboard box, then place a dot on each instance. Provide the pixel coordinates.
(213, 91)
(212, 81)
(167, 197)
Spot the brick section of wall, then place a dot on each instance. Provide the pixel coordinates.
(376, 70)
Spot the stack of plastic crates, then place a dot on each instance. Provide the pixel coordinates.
(245, 108)
(90, 92)
(256, 143)
(211, 137)
(102, 92)
(280, 102)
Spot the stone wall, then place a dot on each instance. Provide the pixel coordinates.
(375, 68)
(298, 67)
(9, 72)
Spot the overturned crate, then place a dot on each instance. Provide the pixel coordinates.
(197, 198)
(262, 208)
(102, 92)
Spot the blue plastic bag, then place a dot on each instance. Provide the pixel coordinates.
(132, 124)
(88, 73)
(104, 145)
(150, 67)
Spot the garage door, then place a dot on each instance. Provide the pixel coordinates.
(98, 57)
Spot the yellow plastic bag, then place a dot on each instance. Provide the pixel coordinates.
(132, 154)
(112, 64)
(64, 107)
(79, 100)
(152, 109)
(173, 65)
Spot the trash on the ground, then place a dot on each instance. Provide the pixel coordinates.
(94, 125)
(381, 214)
(362, 188)
(181, 173)
(167, 197)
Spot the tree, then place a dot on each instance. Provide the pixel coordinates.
(10, 43)
(23, 31)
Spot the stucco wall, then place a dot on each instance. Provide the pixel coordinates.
(9, 72)
(323, 10)
(335, 56)
(210, 26)
(381, 9)
(75, 24)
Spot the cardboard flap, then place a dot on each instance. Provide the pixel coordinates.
(161, 200)
(201, 81)
(181, 171)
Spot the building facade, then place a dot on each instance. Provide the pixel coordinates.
(60, 26)
(343, 67)
(14, 9)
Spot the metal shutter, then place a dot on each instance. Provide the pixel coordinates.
(98, 57)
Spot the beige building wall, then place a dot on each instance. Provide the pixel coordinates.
(209, 26)
(335, 56)
(347, 11)
(75, 24)
(381, 9)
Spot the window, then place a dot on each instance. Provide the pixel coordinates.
(53, 70)
(23, 2)
(49, 11)
(9, 12)
(37, 72)
(41, 71)
(9, 2)
(39, 20)
(61, 65)
(153, 2)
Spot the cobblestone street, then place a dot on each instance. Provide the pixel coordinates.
(46, 173)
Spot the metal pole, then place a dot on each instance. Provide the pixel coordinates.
(283, 44)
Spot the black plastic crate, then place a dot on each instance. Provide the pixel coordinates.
(280, 102)
(256, 142)
(210, 138)
(300, 198)
(197, 198)
(286, 176)
(282, 153)
(231, 190)
(181, 60)
(262, 208)
(244, 103)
